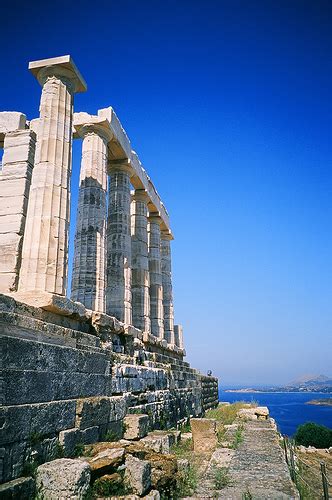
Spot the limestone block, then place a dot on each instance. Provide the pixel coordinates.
(10, 244)
(68, 439)
(23, 487)
(53, 303)
(11, 120)
(136, 426)
(12, 223)
(92, 411)
(35, 387)
(8, 281)
(247, 414)
(44, 419)
(118, 408)
(104, 461)
(138, 474)
(89, 435)
(160, 441)
(262, 412)
(204, 433)
(63, 478)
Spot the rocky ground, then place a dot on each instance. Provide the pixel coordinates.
(235, 453)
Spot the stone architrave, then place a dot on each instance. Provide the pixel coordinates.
(166, 267)
(45, 246)
(15, 180)
(118, 290)
(89, 269)
(140, 261)
(156, 287)
(178, 336)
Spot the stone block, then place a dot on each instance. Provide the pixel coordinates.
(63, 478)
(204, 433)
(11, 120)
(118, 408)
(138, 474)
(262, 412)
(92, 411)
(160, 441)
(136, 426)
(20, 422)
(68, 439)
(89, 435)
(106, 460)
(23, 487)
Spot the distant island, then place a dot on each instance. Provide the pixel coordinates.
(306, 383)
(320, 402)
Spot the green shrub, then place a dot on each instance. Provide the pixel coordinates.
(311, 434)
(221, 478)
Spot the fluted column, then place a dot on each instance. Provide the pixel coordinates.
(118, 291)
(156, 288)
(45, 246)
(140, 261)
(166, 267)
(89, 278)
(178, 336)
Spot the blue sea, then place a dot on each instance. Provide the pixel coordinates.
(287, 408)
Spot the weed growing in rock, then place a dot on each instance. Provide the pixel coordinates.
(247, 495)
(186, 482)
(226, 414)
(79, 450)
(221, 478)
(238, 438)
(30, 468)
(111, 436)
(35, 438)
(183, 448)
(59, 450)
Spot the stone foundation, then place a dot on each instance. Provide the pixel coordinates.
(71, 379)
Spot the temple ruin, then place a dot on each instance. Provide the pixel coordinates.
(76, 362)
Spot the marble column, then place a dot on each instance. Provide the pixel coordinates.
(45, 246)
(178, 336)
(118, 291)
(140, 261)
(89, 278)
(166, 267)
(156, 287)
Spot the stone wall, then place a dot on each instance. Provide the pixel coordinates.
(71, 378)
(210, 396)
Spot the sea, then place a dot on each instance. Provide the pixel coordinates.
(289, 409)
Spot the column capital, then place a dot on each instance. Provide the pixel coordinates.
(85, 124)
(140, 195)
(62, 67)
(166, 235)
(122, 165)
(155, 217)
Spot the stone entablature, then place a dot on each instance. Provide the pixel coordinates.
(122, 252)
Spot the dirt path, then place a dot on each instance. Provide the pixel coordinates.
(256, 469)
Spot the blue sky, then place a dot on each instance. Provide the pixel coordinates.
(228, 104)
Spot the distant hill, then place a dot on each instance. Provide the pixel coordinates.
(305, 383)
(309, 379)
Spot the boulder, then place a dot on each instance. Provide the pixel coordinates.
(160, 441)
(247, 414)
(138, 474)
(204, 432)
(136, 426)
(105, 460)
(63, 478)
(262, 412)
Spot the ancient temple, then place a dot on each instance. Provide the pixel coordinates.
(78, 361)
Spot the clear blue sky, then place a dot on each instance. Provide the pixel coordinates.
(228, 104)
